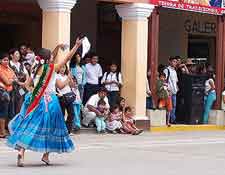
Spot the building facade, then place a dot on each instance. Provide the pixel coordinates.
(139, 34)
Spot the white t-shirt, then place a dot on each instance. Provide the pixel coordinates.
(94, 72)
(173, 80)
(17, 66)
(112, 77)
(94, 99)
(80, 72)
(67, 88)
(208, 86)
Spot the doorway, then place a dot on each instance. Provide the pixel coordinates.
(202, 49)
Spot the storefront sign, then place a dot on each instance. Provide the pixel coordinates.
(204, 6)
(193, 26)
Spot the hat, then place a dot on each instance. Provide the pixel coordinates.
(189, 61)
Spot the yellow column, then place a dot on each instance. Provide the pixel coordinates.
(56, 22)
(134, 53)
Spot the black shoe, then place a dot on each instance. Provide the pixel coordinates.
(174, 122)
(85, 126)
(91, 126)
(76, 129)
(103, 131)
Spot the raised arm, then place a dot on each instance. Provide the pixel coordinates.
(63, 61)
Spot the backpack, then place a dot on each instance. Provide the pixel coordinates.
(117, 75)
(168, 75)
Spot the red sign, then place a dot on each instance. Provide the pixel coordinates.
(204, 6)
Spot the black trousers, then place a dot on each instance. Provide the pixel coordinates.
(113, 97)
(70, 111)
(89, 90)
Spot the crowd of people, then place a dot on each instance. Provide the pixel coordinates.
(87, 97)
(44, 99)
(170, 86)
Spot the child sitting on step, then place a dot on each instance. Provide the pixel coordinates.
(128, 122)
(114, 122)
(101, 116)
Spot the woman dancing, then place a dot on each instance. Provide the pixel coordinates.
(40, 124)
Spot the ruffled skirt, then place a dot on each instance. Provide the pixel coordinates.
(43, 130)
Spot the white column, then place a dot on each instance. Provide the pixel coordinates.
(134, 53)
(56, 22)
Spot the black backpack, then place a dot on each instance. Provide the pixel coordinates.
(117, 75)
(168, 75)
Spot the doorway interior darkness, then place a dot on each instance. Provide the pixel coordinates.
(202, 47)
(8, 35)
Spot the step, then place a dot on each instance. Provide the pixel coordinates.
(178, 128)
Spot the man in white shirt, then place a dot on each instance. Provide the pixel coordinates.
(172, 80)
(90, 109)
(113, 82)
(93, 74)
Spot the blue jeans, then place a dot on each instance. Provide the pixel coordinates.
(76, 120)
(81, 90)
(100, 123)
(149, 103)
(208, 102)
(173, 112)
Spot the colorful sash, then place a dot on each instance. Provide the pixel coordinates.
(40, 88)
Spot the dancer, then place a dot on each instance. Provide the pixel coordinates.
(40, 124)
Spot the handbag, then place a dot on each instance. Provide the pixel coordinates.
(69, 98)
(4, 95)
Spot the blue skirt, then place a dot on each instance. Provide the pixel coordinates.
(43, 130)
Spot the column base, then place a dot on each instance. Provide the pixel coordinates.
(157, 117)
(217, 117)
(142, 122)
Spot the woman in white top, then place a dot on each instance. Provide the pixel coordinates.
(210, 96)
(79, 71)
(19, 89)
(66, 96)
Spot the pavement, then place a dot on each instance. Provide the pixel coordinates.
(180, 153)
